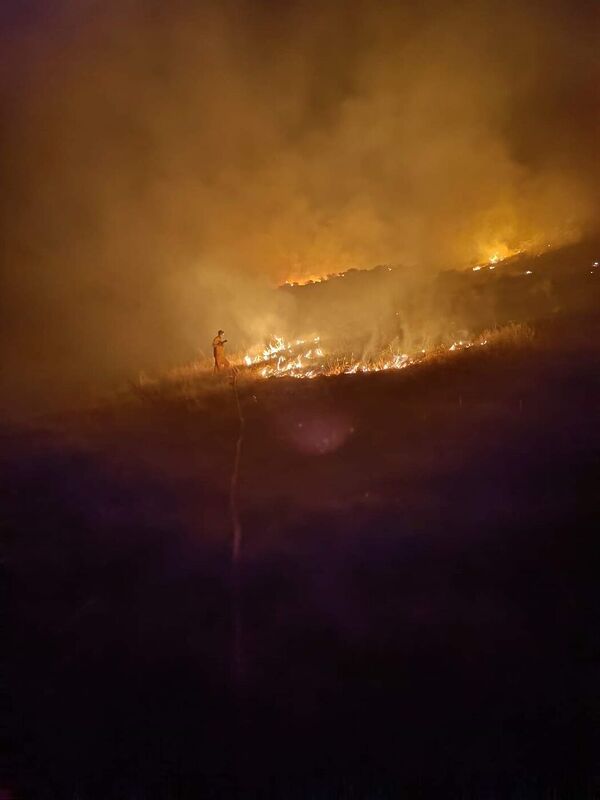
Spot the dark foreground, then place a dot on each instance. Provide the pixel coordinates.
(419, 599)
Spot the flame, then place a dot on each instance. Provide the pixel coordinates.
(304, 280)
(306, 358)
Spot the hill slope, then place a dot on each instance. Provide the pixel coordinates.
(419, 601)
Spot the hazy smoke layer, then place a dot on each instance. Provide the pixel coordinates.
(164, 164)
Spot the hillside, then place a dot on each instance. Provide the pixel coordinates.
(418, 596)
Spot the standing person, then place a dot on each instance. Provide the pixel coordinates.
(221, 361)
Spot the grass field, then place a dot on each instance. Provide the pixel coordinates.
(419, 604)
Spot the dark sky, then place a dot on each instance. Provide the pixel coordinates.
(163, 164)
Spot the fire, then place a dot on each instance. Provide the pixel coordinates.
(306, 358)
(495, 254)
(304, 280)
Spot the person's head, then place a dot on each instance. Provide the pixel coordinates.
(221, 333)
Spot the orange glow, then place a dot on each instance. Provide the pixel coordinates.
(303, 280)
(493, 254)
(306, 358)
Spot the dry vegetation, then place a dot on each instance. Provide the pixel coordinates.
(513, 335)
(196, 386)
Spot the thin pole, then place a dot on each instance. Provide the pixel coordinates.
(236, 542)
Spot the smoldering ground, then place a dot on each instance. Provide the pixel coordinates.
(165, 165)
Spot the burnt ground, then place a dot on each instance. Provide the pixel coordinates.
(419, 592)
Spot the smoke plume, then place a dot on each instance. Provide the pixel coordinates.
(165, 165)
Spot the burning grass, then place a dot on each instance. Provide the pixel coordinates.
(306, 359)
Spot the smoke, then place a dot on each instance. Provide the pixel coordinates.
(165, 165)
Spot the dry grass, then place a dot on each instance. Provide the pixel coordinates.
(191, 385)
(513, 335)
(195, 386)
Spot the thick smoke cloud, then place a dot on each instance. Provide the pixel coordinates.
(165, 164)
